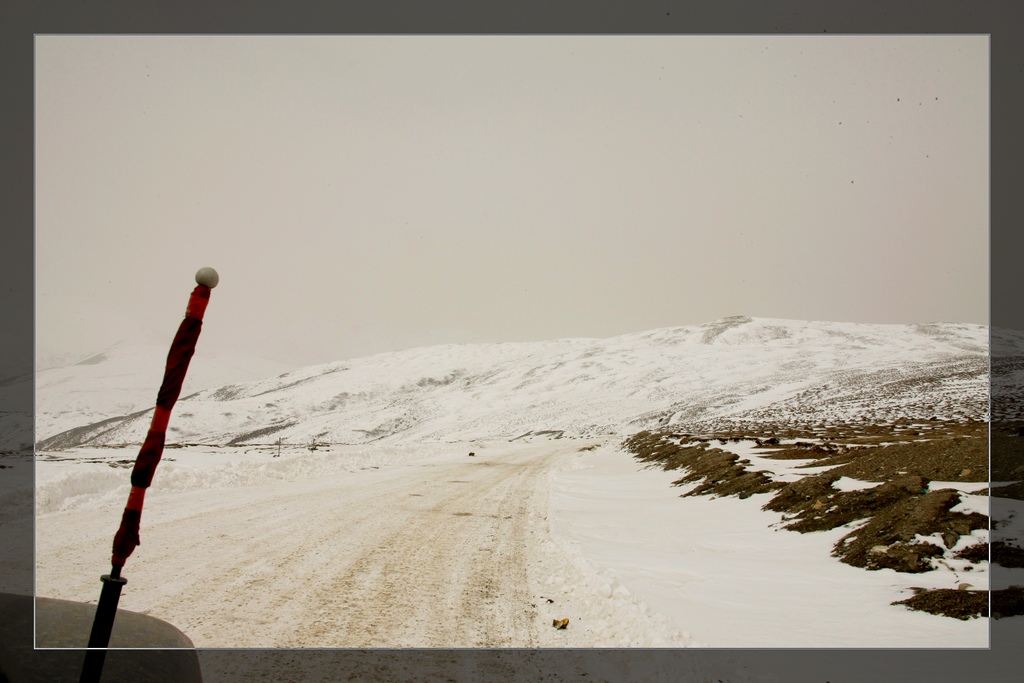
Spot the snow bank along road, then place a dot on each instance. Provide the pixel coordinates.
(447, 550)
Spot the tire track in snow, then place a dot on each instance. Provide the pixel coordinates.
(449, 568)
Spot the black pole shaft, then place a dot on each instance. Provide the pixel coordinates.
(102, 625)
(92, 669)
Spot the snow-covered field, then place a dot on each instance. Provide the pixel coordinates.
(389, 534)
(244, 549)
(722, 569)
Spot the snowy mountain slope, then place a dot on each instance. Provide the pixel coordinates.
(735, 370)
(124, 378)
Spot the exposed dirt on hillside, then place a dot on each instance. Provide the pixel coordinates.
(893, 516)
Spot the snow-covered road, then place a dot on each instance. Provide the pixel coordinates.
(445, 550)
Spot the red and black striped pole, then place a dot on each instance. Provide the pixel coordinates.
(127, 536)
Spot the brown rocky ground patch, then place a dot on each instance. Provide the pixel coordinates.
(949, 602)
(967, 604)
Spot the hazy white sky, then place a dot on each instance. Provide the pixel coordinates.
(361, 194)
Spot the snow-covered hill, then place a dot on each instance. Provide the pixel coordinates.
(734, 370)
(115, 380)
